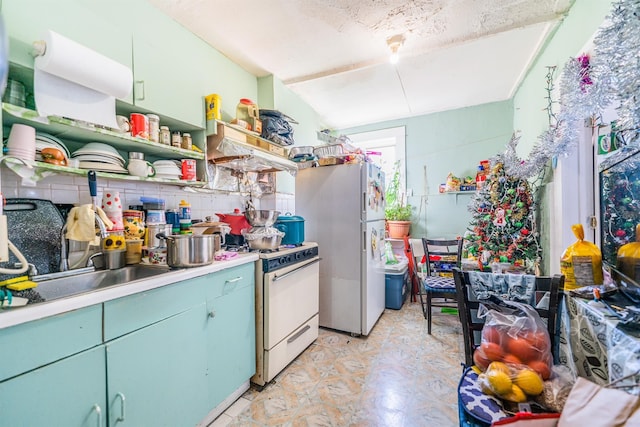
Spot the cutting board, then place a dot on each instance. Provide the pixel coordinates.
(34, 228)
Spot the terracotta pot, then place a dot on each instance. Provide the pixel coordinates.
(398, 229)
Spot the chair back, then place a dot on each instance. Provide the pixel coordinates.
(442, 255)
(472, 325)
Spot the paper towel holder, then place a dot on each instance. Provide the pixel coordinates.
(39, 48)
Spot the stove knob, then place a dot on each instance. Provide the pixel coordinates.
(282, 260)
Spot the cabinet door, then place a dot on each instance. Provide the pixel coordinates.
(156, 375)
(166, 70)
(231, 348)
(70, 393)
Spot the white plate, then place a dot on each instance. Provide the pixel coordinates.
(99, 148)
(98, 158)
(103, 167)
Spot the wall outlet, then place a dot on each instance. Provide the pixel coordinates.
(4, 239)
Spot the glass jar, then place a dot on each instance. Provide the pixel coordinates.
(154, 127)
(186, 141)
(176, 139)
(165, 135)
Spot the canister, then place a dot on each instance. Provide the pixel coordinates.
(139, 125)
(293, 228)
(154, 127)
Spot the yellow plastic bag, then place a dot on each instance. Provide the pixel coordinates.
(628, 260)
(581, 262)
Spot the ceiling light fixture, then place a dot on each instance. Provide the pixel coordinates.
(394, 43)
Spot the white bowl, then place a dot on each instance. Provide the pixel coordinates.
(99, 148)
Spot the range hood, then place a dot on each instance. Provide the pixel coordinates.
(235, 148)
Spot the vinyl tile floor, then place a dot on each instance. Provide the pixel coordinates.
(398, 376)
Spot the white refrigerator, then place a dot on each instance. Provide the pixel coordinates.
(343, 209)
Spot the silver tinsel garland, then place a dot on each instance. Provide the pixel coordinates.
(587, 89)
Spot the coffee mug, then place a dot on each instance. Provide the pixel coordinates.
(22, 142)
(139, 167)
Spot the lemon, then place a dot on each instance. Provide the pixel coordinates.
(529, 382)
(484, 385)
(500, 367)
(499, 382)
(515, 395)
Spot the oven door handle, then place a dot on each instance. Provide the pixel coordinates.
(276, 277)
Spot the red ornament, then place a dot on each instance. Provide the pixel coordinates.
(621, 233)
(524, 231)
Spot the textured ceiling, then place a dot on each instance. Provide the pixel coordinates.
(334, 54)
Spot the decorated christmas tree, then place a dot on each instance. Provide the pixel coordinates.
(503, 227)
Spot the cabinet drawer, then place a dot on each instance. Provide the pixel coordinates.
(227, 281)
(133, 312)
(34, 344)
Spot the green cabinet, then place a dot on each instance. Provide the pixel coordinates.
(156, 375)
(231, 348)
(166, 66)
(164, 357)
(70, 392)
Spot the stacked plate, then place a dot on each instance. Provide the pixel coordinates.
(168, 169)
(44, 140)
(100, 157)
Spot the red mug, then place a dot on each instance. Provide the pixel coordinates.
(139, 125)
(188, 169)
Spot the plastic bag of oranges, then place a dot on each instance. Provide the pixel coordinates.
(515, 335)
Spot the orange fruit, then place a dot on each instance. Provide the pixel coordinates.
(539, 340)
(510, 359)
(480, 359)
(492, 350)
(522, 349)
(541, 367)
(491, 334)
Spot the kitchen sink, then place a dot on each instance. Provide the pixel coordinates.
(59, 285)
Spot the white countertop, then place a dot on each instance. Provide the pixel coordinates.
(15, 316)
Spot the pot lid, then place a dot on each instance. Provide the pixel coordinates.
(288, 218)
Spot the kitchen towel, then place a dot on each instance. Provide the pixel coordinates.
(81, 225)
(73, 81)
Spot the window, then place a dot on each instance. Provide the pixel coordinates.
(390, 143)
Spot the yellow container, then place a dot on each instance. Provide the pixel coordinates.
(213, 107)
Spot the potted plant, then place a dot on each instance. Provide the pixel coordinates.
(397, 212)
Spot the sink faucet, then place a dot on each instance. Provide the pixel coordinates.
(64, 244)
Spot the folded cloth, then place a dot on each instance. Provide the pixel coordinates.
(81, 223)
(512, 287)
(225, 255)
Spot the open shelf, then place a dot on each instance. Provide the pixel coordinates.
(67, 129)
(41, 167)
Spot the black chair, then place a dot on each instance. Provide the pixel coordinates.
(441, 256)
(471, 334)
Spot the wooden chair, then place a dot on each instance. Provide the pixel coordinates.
(472, 325)
(474, 410)
(441, 256)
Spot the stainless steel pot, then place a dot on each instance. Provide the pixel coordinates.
(189, 250)
(263, 238)
(261, 217)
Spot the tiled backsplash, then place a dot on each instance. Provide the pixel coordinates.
(75, 190)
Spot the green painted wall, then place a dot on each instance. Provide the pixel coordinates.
(571, 36)
(436, 144)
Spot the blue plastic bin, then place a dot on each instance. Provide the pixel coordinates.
(396, 288)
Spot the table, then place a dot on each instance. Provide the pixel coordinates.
(591, 343)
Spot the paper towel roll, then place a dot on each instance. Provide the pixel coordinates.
(71, 80)
(72, 61)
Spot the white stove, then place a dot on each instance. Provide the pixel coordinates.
(287, 301)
